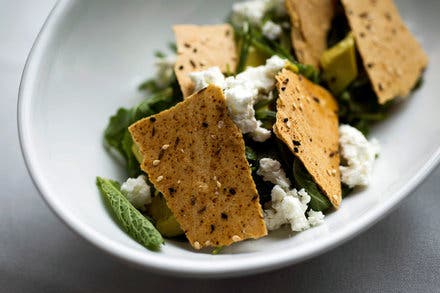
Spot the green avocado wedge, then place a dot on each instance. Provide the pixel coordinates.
(339, 64)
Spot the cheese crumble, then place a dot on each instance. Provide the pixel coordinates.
(271, 30)
(288, 206)
(253, 11)
(137, 191)
(357, 156)
(271, 171)
(243, 91)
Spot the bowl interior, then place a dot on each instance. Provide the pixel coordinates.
(89, 60)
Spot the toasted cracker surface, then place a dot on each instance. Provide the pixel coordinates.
(392, 57)
(201, 47)
(202, 171)
(307, 123)
(311, 21)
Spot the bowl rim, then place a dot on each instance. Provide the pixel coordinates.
(154, 261)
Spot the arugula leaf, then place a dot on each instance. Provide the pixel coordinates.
(251, 156)
(318, 202)
(358, 105)
(346, 190)
(132, 221)
(271, 148)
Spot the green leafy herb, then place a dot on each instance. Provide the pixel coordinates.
(244, 41)
(217, 250)
(133, 167)
(117, 135)
(133, 222)
(346, 190)
(318, 202)
(251, 156)
(339, 28)
(358, 105)
(263, 187)
(271, 148)
(114, 133)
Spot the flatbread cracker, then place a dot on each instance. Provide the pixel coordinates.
(195, 155)
(311, 21)
(307, 122)
(201, 47)
(392, 57)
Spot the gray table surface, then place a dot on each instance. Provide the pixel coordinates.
(39, 254)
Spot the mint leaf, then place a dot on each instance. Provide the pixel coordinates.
(318, 201)
(131, 220)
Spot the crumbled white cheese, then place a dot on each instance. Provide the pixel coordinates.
(271, 30)
(164, 70)
(261, 77)
(288, 206)
(315, 218)
(240, 98)
(253, 11)
(260, 134)
(202, 79)
(358, 155)
(137, 191)
(243, 91)
(271, 171)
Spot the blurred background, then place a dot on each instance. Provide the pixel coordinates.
(38, 253)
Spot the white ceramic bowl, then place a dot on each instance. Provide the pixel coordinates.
(88, 60)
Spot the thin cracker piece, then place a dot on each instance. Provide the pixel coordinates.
(202, 170)
(307, 122)
(311, 21)
(201, 47)
(392, 57)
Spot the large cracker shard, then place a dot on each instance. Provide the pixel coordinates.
(307, 123)
(392, 57)
(201, 47)
(195, 155)
(311, 21)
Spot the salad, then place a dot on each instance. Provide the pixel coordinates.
(261, 122)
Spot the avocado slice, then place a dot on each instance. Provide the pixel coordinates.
(339, 64)
(164, 219)
(137, 153)
(255, 57)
